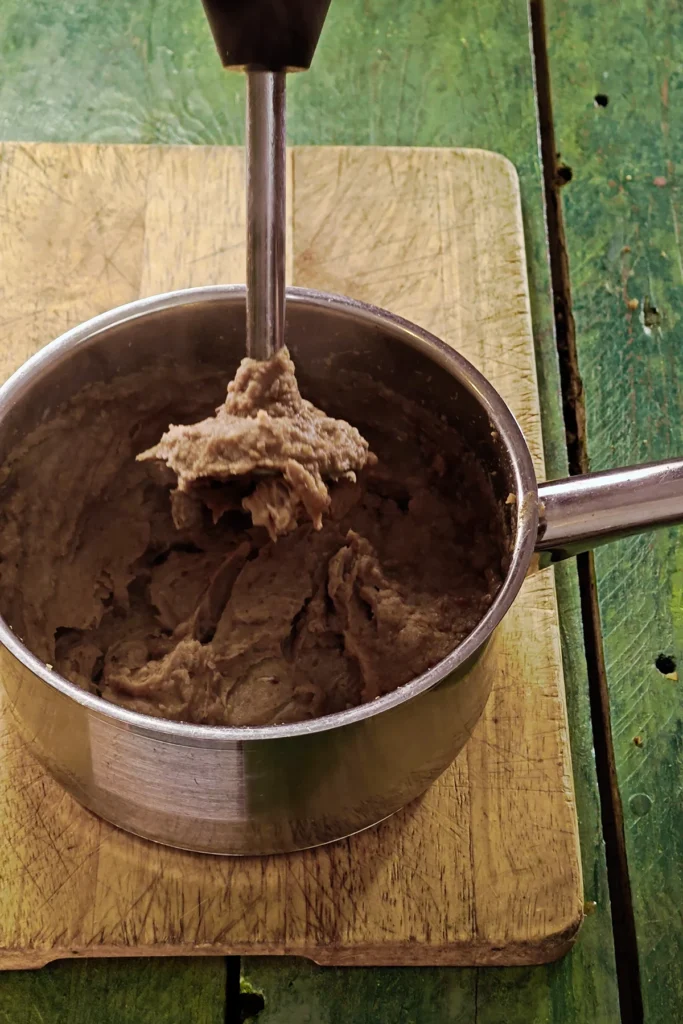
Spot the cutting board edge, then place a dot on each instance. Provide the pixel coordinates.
(463, 954)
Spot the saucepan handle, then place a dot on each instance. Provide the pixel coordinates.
(581, 512)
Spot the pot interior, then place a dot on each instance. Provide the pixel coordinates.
(352, 361)
(328, 342)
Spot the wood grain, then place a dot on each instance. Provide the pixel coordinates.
(485, 869)
(623, 213)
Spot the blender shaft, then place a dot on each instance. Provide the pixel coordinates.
(266, 170)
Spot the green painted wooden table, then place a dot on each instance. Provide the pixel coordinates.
(447, 72)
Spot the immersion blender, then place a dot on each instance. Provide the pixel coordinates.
(266, 39)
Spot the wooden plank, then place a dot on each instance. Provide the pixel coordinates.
(117, 992)
(437, 236)
(410, 71)
(622, 213)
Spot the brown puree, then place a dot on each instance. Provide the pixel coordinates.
(266, 451)
(214, 622)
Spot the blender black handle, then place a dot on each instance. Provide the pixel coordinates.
(266, 35)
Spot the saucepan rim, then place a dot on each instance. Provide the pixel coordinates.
(500, 417)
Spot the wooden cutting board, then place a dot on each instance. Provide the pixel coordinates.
(485, 868)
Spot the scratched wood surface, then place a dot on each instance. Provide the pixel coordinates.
(485, 869)
(618, 96)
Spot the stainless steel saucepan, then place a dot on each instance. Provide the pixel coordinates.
(280, 788)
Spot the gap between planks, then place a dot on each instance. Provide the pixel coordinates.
(574, 411)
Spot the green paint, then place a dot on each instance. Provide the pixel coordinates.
(298, 992)
(116, 992)
(640, 804)
(387, 72)
(623, 215)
